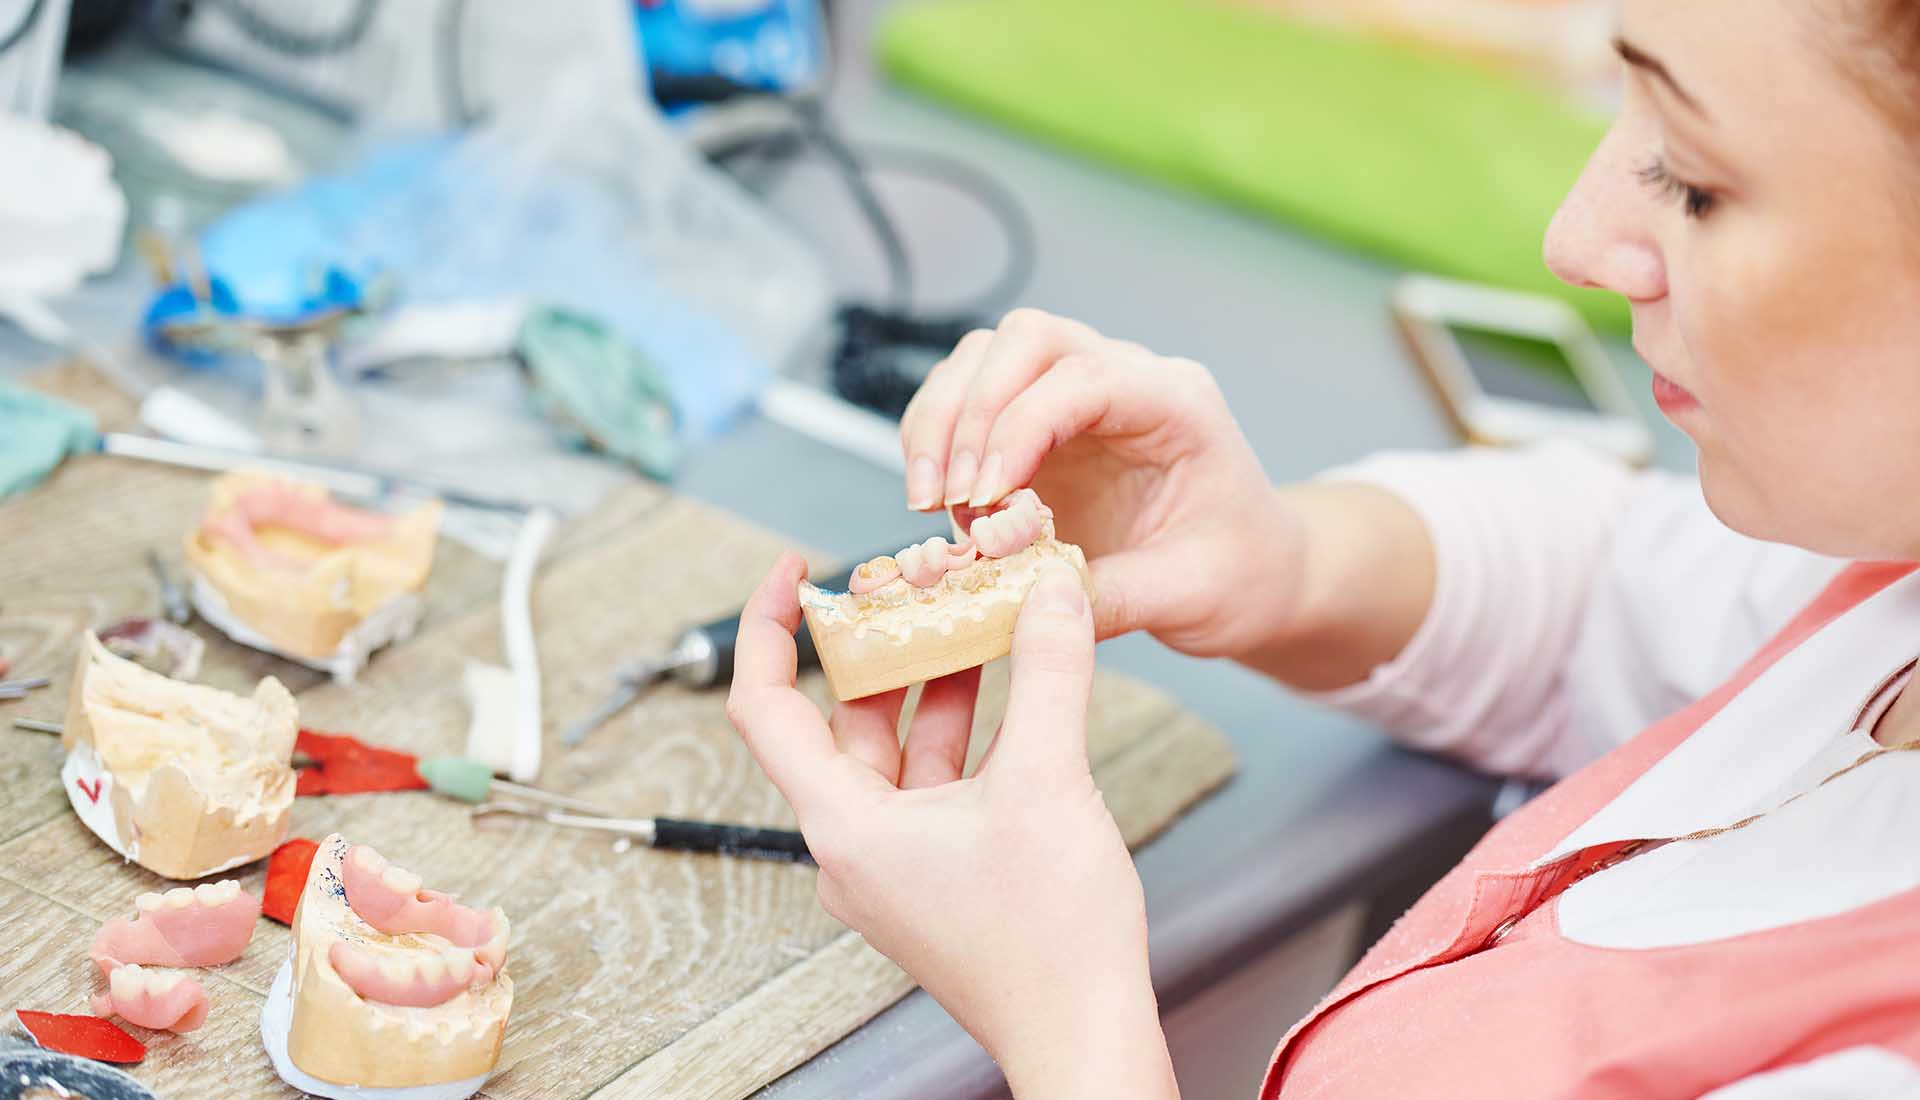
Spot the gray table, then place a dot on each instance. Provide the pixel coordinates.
(1324, 816)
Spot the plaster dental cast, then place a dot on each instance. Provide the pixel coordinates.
(1719, 897)
(280, 566)
(390, 991)
(183, 779)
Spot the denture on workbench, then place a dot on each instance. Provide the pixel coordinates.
(409, 978)
(165, 1000)
(390, 899)
(269, 503)
(207, 925)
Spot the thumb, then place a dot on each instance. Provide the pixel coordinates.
(1046, 725)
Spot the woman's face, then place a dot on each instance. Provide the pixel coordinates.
(1762, 214)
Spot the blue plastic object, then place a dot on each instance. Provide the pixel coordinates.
(778, 45)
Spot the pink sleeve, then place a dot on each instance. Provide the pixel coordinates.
(1518, 537)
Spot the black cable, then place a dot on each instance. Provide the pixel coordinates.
(300, 43)
(853, 172)
(881, 354)
(19, 32)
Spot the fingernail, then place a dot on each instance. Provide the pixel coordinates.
(1058, 589)
(986, 487)
(923, 485)
(960, 477)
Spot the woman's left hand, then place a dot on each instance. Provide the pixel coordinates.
(1008, 895)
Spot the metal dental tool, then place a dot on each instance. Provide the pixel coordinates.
(670, 834)
(703, 658)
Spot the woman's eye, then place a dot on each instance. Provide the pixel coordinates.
(1697, 202)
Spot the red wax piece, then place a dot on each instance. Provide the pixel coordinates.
(347, 765)
(6, 666)
(287, 871)
(82, 1036)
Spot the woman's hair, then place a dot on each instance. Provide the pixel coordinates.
(1889, 34)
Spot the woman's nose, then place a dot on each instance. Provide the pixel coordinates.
(1602, 236)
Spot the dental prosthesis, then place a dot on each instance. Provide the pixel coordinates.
(390, 992)
(206, 926)
(935, 608)
(183, 779)
(280, 566)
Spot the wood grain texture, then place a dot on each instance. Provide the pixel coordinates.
(637, 973)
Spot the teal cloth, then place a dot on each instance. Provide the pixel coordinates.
(1416, 156)
(37, 432)
(600, 390)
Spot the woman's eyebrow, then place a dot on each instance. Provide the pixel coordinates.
(1646, 62)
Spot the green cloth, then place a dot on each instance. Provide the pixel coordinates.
(37, 432)
(1417, 156)
(599, 389)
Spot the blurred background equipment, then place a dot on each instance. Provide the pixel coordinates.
(1567, 44)
(1425, 157)
(403, 62)
(1511, 369)
(33, 34)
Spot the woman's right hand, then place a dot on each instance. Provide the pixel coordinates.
(1140, 460)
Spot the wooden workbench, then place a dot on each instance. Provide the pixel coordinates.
(636, 973)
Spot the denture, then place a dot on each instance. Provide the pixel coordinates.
(387, 985)
(183, 779)
(207, 925)
(415, 979)
(159, 999)
(1012, 527)
(390, 899)
(281, 566)
(935, 608)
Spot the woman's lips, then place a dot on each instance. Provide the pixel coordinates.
(1671, 397)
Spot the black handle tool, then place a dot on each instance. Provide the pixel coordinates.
(703, 658)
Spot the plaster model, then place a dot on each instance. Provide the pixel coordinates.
(935, 608)
(390, 991)
(183, 779)
(280, 566)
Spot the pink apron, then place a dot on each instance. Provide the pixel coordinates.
(1475, 994)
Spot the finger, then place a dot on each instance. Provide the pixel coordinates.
(782, 728)
(1105, 395)
(1045, 729)
(926, 427)
(936, 750)
(1025, 345)
(869, 731)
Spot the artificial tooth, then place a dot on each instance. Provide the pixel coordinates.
(366, 857)
(400, 880)
(397, 967)
(459, 963)
(127, 980)
(148, 902)
(179, 897)
(162, 984)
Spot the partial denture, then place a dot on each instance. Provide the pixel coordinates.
(390, 899)
(162, 1000)
(207, 925)
(282, 505)
(922, 566)
(872, 575)
(1014, 526)
(411, 979)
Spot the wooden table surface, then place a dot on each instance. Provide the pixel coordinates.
(637, 973)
